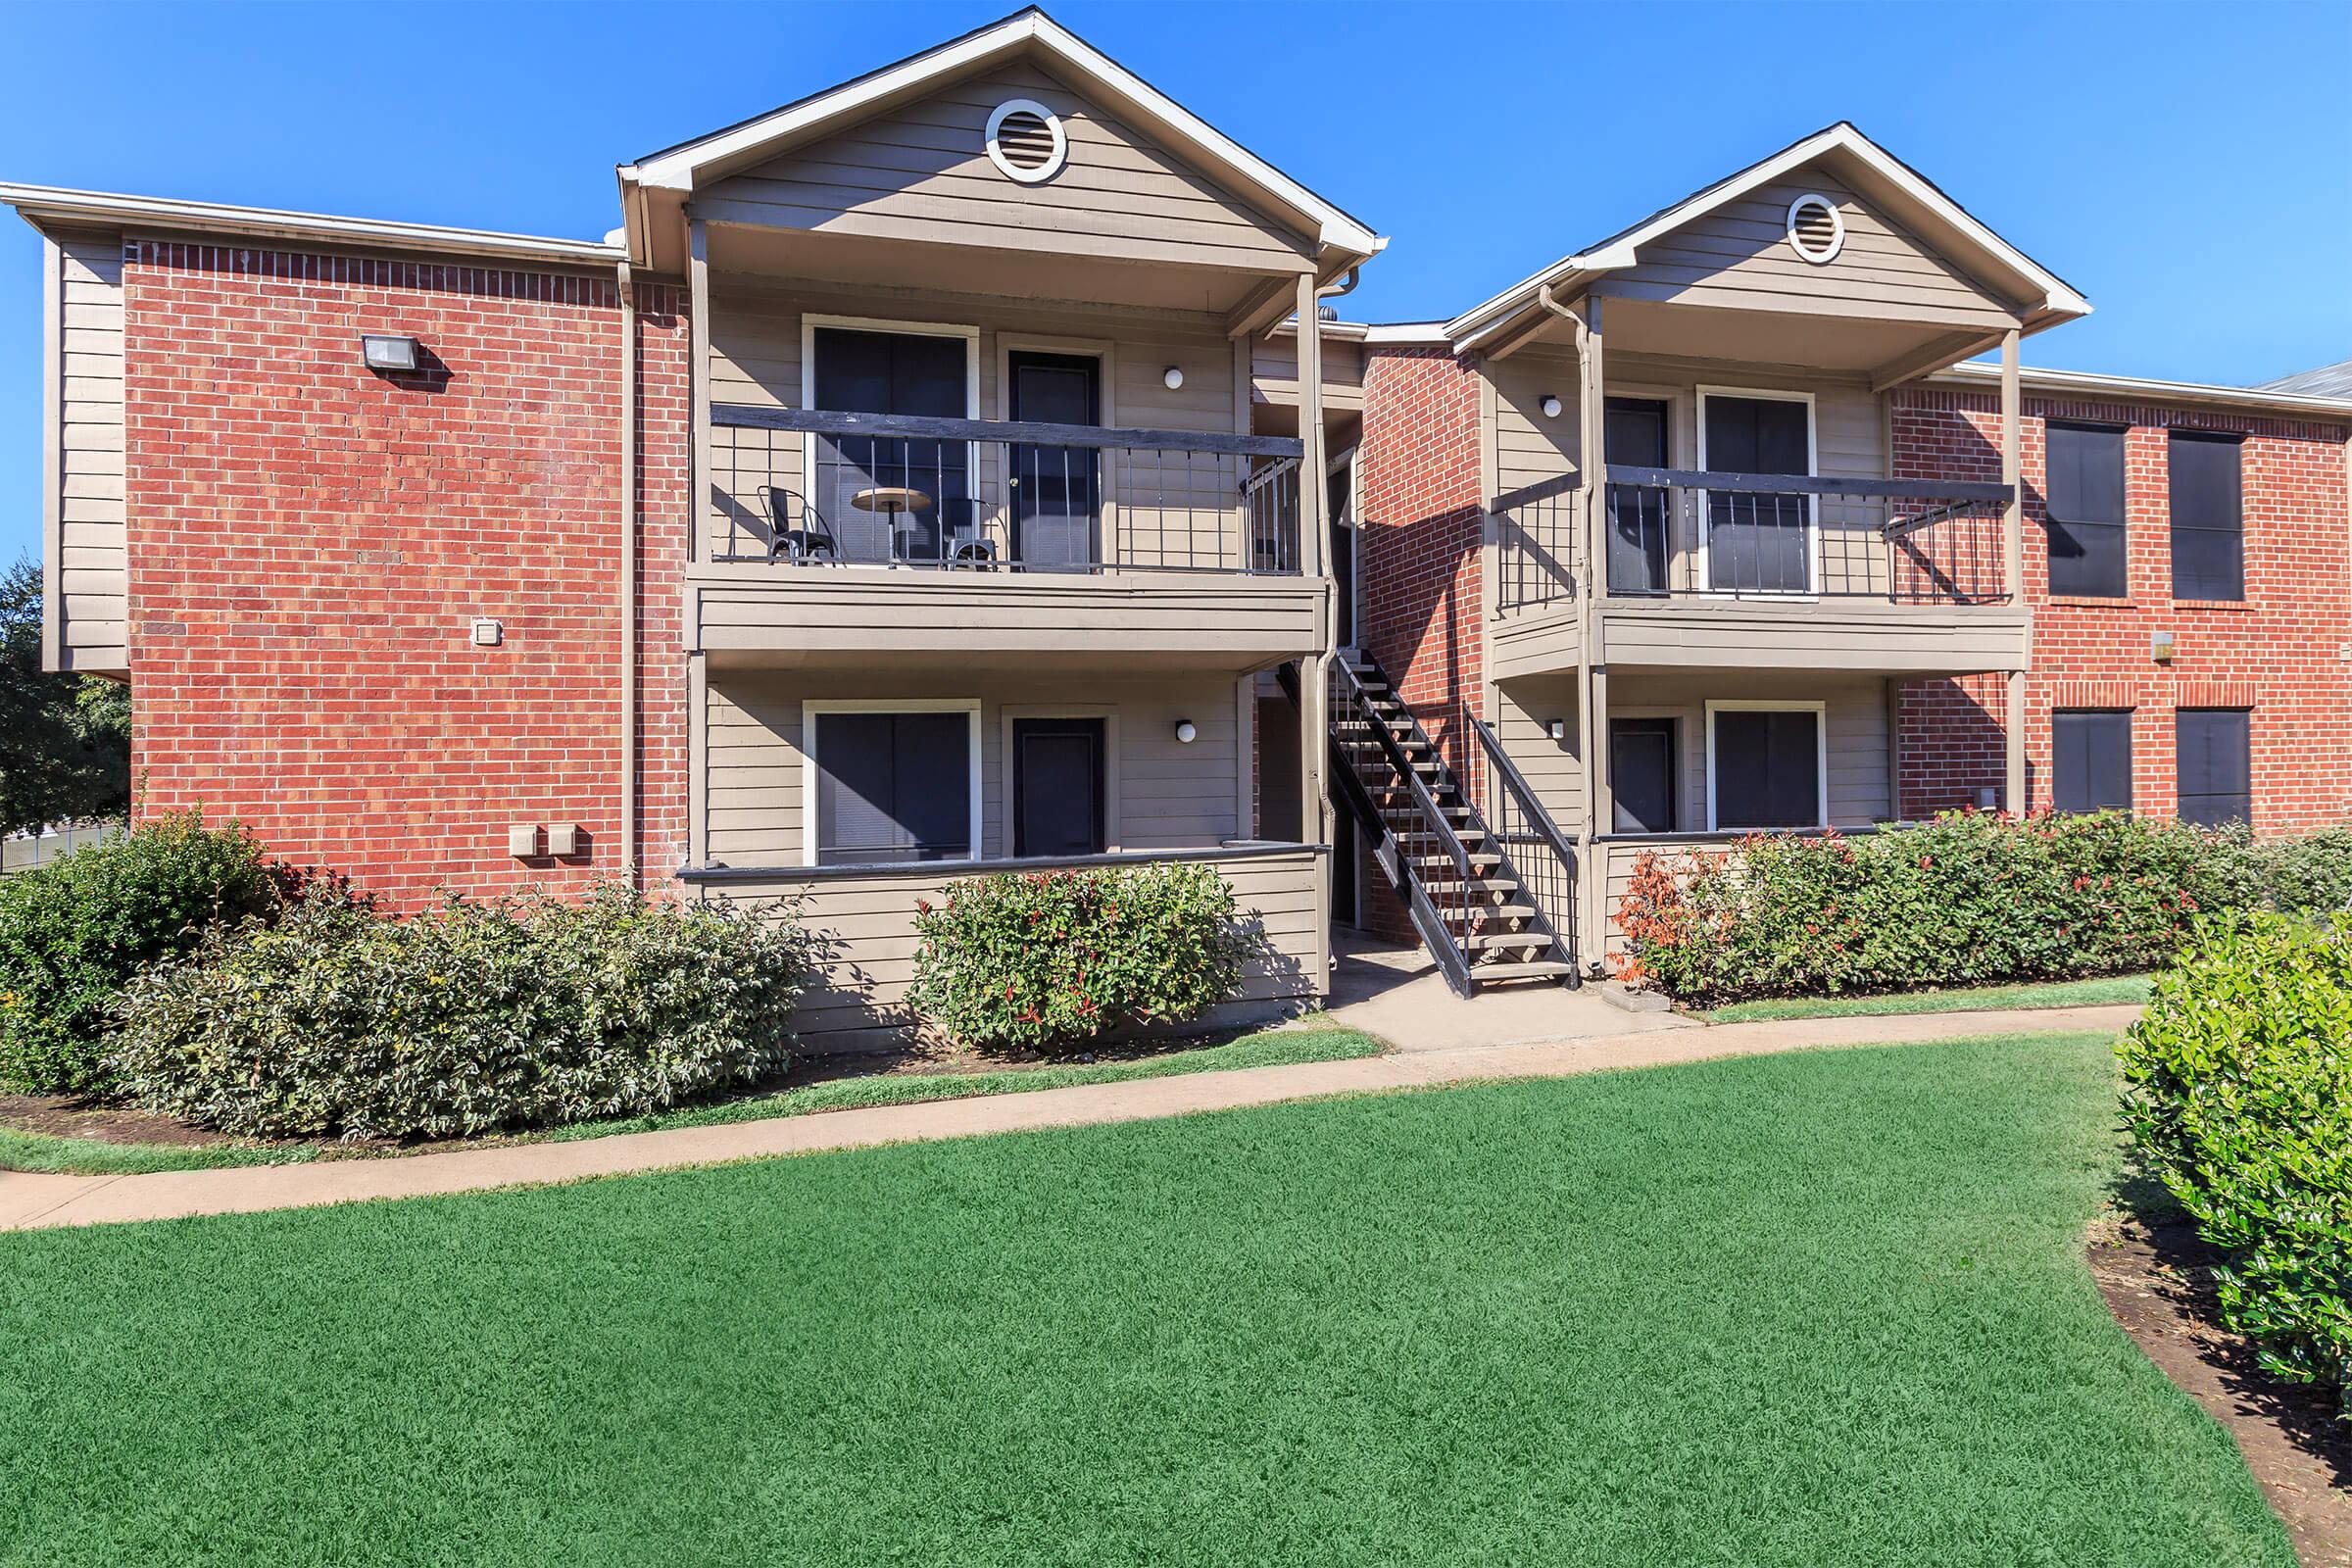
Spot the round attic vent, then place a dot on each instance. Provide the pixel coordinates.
(1816, 229)
(1025, 140)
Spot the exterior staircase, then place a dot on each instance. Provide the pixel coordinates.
(1489, 902)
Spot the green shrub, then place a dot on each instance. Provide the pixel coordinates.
(72, 932)
(1970, 899)
(468, 1018)
(1048, 960)
(2239, 1096)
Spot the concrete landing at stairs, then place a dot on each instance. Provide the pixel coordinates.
(1397, 994)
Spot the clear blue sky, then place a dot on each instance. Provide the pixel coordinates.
(2181, 165)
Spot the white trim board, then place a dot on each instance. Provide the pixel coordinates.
(1773, 705)
(811, 707)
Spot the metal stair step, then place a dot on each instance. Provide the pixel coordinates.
(1505, 939)
(1539, 969)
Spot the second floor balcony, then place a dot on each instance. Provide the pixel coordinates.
(894, 534)
(1706, 567)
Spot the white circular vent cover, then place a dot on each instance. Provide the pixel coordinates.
(1816, 229)
(1025, 140)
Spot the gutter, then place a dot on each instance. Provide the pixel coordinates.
(56, 203)
(2086, 383)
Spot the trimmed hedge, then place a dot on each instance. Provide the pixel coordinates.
(73, 932)
(2239, 1096)
(469, 1018)
(1048, 960)
(1970, 899)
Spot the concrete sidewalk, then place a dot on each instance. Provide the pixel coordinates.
(41, 1201)
(1396, 993)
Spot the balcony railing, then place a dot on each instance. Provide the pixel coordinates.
(803, 487)
(1670, 533)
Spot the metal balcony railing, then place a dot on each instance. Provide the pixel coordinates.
(1670, 533)
(811, 488)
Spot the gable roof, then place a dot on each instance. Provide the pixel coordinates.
(2327, 381)
(2051, 299)
(1026, 31)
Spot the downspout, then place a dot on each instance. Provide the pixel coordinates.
(628, 575)
(1590, 876)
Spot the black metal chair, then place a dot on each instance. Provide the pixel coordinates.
(796, 529)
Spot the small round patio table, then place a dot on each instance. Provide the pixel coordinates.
(894, 499)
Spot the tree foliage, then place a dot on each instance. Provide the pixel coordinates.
(65, 739)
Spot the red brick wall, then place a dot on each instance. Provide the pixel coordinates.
(1421, 593)
(2281, 652)
(310, 541)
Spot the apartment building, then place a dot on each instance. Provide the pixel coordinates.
(961, 468)
(1828, 568)
(899, 491)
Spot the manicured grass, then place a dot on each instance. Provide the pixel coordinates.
(1266, 1048)
(1826, 1307)
(2101, 991)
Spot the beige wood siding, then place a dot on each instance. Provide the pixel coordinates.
(1274, 372)
(1854, 635)
(756, 358)
(1738, 254)
(1201, 619)
(922, 172)
(868, 922)
(93, 557)
(1166, 795)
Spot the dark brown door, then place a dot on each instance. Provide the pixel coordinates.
(1057, 490)
(1057, 787)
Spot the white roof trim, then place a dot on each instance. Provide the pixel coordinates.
(675, 170)
(1620, 251)
(2091, 384)
(154, 211)
(1405, 332)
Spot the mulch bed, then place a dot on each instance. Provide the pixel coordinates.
(2157, 1282)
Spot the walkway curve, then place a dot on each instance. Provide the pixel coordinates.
(43, 1202)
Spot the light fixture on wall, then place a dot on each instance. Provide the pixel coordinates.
(1186, 734)
(2160, 647)
(385, 352)
(1172, 379)
(1550, 406)
(1557, 729)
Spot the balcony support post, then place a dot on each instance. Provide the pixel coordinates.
(2012, 727)
(698, 380)
(1314, 683)
(2013, 513)
(1592, 682)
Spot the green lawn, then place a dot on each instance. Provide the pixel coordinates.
(1821, 1308)
(1266, 1048)
(2101, 991)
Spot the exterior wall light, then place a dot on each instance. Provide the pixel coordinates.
(1186, 734)
(1557, 729)
(383, 352)
(2160, 647)
(1550, 406)
(1172, 379)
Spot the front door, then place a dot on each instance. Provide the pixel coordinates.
(1640, 520)
(1057, 491)
(1759, 541)
(1057, 787)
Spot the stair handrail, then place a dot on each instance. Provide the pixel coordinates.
(1523, 794)
(1444, 944)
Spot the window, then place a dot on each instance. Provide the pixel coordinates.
(1765, 765)
(1058, 786)
(2209, 530)
(851, 369)
(2092, 761)
(2213, 765)
(1635, 436)
(886, 788)
(2085, 497)
(1757, 541)
(1642, 773)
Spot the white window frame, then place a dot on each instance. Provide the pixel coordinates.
(968, 332)
(1706, 566)
(811, 768)
(1773, 704)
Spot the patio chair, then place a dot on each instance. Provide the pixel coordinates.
(796, 529)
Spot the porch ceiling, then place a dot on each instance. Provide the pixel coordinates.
(786, 254)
